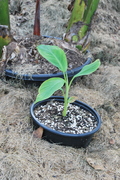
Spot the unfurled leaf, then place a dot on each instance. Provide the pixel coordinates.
(54, 55)
(48, 87)
(88, 69)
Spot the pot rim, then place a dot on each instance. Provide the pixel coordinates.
(77, 102)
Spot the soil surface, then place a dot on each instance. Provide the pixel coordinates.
(76, 121)
(25, 157)
(22, 57)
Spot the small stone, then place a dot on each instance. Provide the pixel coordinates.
(12, 56)
(112, 141)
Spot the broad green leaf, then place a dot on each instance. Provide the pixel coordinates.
(54, 55)
(88, 69)
(48, 87)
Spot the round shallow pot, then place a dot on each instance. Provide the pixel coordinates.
(43, 77)
(74, 140)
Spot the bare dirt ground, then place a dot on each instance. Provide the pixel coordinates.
(24, 157)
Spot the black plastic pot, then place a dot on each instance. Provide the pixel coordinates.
(74, 140)
(43, 77)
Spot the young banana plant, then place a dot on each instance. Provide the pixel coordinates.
(78, 28)
(57, 57)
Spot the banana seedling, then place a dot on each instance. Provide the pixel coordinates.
(57, 57)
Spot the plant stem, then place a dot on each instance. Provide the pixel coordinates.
(66, 95)
(79, 24)
(67, 87)
(71, 81)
